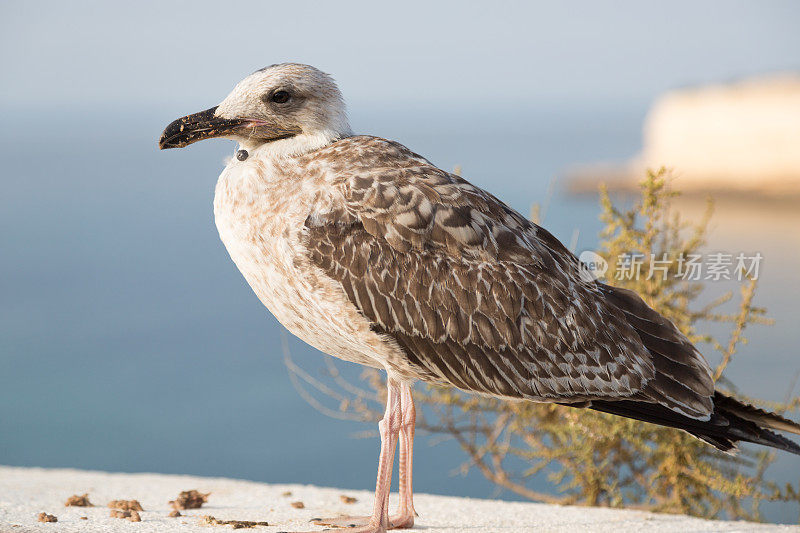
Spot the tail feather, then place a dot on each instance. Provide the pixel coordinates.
(756, 415)
(682, 392)
(731, 422)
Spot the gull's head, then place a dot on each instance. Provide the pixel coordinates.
(285, 109)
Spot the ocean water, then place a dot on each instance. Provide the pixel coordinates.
(130, 342)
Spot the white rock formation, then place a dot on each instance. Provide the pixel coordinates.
(743, 136)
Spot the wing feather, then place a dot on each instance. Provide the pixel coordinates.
(482, 299)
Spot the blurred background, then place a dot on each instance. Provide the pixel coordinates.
(128, 339)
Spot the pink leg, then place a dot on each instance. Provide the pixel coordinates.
(389, 428)
(405, 416)
(405, 516)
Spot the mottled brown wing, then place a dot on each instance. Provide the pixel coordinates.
(498, 329)
(477, 296)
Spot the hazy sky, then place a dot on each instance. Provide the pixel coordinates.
(135, 53)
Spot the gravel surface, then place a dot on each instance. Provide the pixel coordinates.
(26, 492)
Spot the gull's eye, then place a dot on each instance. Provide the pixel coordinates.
(280, 97)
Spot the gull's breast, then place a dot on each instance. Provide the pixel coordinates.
(260, 223)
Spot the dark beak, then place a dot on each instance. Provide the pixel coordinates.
(196, 127)
(205, 125)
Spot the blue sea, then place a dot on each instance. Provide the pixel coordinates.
(130, 342)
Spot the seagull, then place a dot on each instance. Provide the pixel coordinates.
(370, 253)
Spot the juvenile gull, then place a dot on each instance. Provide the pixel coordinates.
(368, 252)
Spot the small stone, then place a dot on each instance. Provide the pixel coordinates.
(347, 499)
(125, 505)
(175, 514)
(298, 505)
(120, 513)
(78, 501)
(235, 524)
(189, 499)
(287, 494)
(84, 518)
(134, 517)
(44, 517)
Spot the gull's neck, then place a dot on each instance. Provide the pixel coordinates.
(294, 146)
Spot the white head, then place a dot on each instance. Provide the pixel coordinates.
(281, 110)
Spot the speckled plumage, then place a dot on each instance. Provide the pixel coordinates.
(370, 253)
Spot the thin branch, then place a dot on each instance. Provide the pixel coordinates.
(296, 374)
(742, 319)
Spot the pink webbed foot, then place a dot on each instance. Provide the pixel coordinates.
(355, 529)
(399, 521)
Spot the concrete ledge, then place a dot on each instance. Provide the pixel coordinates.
(25, 492)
